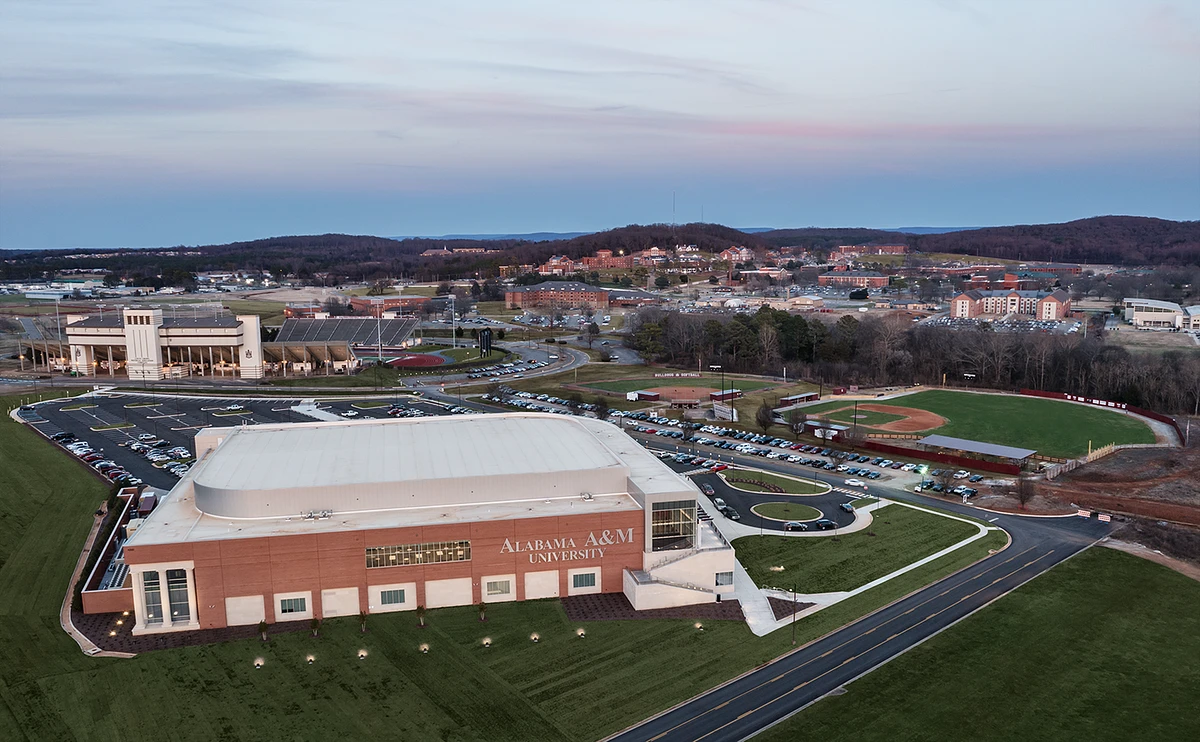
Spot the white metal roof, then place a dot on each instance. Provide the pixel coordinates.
(1158, 304)
(987, 449)
(260, 479)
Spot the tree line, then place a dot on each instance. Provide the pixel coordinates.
(891, 351)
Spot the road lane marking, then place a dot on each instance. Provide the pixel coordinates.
(848, 641)
(876, 646)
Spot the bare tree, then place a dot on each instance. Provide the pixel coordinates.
(764, 416)
(1025, 490)
(796, 420)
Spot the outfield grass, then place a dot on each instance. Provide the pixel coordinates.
(902, 535)
(785, 511)
(790, 485)
(1101, 648)
(269, 312)
(562, 688)
(1052, 427)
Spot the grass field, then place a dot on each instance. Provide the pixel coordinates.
(790, 485)
(269, 312)
(562, 688)
(902, 535)
(1093, 650)
(785, 511)
(1052, 427)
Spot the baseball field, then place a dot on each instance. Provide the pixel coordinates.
(1051, 427)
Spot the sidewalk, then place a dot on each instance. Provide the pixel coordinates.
(759, 615)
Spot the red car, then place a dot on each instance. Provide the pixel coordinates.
(720, 467)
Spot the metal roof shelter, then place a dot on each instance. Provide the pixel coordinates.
(364, 330)
(979, 447)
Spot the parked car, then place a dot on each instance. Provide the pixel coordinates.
(793, 525)
(732, 514)
(707, 489)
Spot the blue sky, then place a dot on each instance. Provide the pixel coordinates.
(129, 123)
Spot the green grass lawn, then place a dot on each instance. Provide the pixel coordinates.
(862, 502)
(562, 688)
(818, 565)
(649, 382)
(1052, 427)
(786, 511)
(269, 312)
(1101, 648)
(790, 485)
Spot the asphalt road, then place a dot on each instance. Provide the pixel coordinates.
(765, 696)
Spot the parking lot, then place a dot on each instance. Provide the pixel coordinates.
(117, 425)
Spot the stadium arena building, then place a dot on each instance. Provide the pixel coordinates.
(316, 520)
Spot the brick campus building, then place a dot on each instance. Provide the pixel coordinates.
(563, 294)
(291, 522)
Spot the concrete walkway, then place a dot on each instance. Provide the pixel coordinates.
(759, 615)
(64, 614)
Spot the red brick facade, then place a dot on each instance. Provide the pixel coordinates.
(324, 561)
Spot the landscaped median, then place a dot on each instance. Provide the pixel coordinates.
(753, 480)
(899, 536)
(785, 511)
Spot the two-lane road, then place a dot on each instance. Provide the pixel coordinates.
(755, 701)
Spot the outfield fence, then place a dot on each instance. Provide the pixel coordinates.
(1108, 404)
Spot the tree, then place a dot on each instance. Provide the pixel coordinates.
(1025, 490)
(683, 278)
(421, 616)
(796, 420)
(443, 288)
(315, 626)
(459, 332)
(500, 334)
(482, 610)
(593, 332)
(946, 478)
(262, 629)
(601, 404)
(112, 280)
(476, 290)
(764, 416)
(713, 280)
(362, 621)
(662, 281)
(626, 281)
(379, 288)
(605, 356)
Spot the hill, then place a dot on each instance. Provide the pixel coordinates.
(1123, 240)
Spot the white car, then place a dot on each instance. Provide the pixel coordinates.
(234, 408)
(962, 474)
(350, 413)
(856, 483)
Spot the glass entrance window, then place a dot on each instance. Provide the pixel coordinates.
(152, 595)
(673, 525)
(177, 593)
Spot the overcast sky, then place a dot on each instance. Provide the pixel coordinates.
(137, 123)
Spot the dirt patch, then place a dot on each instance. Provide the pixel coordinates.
(672, 393)
(784, 608)
(616, 607)
(1155, 483)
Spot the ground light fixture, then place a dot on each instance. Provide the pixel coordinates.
(311, 659)
(362, 654)
(259, 662)
(424, 649)
(580, 633)
(487, 641)
(112, 633)
(699, 626)
(534, 638)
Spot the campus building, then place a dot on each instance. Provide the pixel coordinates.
(858, 279)
(149, 347)
(560, 294)
(1152, 313)
(317, 520)
(1055, 305)
(375, 306)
